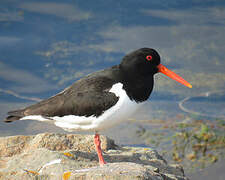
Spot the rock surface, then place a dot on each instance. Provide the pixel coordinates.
(71, 156)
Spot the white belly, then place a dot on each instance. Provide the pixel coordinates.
(116, 114)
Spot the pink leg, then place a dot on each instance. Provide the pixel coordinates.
(97, 142)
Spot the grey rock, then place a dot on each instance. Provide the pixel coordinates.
(51, 156)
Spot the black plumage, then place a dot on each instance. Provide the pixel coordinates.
(90, 95)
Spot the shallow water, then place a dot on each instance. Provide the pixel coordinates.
(45, 46)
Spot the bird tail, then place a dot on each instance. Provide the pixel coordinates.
(11, 119)
(14, 116)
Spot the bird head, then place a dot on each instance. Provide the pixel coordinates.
(144, 63)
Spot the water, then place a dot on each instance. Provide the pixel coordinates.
(209, 104)
(45, 46)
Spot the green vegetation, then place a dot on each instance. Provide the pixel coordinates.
(194, 143)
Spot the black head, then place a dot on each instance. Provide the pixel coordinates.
(137, 69)
(142, 62)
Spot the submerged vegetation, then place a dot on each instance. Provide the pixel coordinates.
(193, 142)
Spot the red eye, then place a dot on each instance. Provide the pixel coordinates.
(149, 58)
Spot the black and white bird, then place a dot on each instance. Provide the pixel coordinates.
(101, 99)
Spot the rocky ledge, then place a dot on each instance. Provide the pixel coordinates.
(51, 156)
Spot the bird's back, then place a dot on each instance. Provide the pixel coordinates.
(82, 98)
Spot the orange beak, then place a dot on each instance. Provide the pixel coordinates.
(173, 75)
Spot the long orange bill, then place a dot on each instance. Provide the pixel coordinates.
(173, 75)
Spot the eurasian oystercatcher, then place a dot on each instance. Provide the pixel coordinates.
(101, 99)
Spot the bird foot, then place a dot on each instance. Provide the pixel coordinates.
(97, 142)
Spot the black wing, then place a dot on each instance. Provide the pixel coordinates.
(86, 97)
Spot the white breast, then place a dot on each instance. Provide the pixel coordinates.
(116, 114)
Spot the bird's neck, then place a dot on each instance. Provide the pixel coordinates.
(137, 88)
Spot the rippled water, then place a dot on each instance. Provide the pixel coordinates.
(46, 46)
